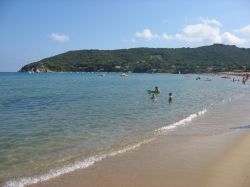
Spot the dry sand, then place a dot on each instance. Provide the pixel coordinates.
(233, 168)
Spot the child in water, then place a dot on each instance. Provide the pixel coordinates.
(170, 97)
(153, 97)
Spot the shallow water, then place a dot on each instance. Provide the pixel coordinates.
(60, 121)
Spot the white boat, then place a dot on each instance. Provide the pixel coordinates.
(124, 74)
(207, 79)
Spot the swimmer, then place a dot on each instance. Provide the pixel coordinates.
(170, 97)
(157, 90)
(152, 97)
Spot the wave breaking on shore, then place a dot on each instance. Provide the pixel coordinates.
(97, 158)
(182, 122)
(70, 168)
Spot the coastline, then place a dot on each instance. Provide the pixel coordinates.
(175, 160)
(234, 73)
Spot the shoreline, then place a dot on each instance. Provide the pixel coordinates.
(232, 73)
(90, 161)
(176, 159)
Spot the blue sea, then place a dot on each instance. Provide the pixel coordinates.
(55, 123)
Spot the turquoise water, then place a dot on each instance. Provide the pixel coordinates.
(59, 122)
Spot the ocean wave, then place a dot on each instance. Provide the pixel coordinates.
(70, 168)
(181, 122)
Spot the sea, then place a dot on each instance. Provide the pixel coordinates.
(55, 123)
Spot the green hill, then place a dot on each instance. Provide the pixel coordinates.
(214, 58)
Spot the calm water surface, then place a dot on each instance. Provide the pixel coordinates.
(51, 120)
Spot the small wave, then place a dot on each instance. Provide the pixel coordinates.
(70, 168)
(97, 158)
(181, 122)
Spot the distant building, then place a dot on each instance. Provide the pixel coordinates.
(117, 67)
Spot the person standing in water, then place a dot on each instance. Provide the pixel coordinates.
(152, 97)
(157, 90)
(244, 80)
(170, 97)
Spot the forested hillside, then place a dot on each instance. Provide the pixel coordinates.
(214, 58)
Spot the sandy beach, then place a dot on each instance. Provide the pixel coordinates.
(234, 73)
(176, 160)
(233, 168)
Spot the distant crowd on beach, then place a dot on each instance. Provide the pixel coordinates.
(227, 75)
(244, 75)
(245, 78)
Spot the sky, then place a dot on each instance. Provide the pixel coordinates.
(31, 30)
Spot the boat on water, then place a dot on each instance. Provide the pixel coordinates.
(124, 74)
(208, 79)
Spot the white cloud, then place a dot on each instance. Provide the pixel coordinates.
(208, 31)
(200, 33)
(61, 38)
(211, 22)
(245, 30)
(229, 38)
(146, 34)
(166, 36)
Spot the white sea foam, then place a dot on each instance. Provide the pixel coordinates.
(70, 168)
(182, 122)
(229, 99)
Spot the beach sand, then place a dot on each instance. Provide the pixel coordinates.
(183, 161)
(179, 159)
(233, 168)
